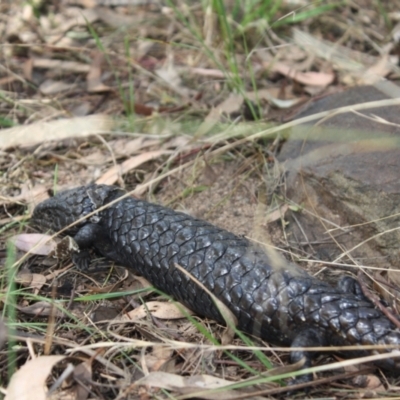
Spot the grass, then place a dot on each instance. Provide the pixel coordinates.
(218, 36)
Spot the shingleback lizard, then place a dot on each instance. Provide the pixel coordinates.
(277, 301)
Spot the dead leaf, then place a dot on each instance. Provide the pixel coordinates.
(14, 26)
(117, 20)
(306, 78)
(277, 214)
(95, 158)
(104, 312)
(93, 78)
(29, 382)
(192, 384)
(341, 57)
(28, 69)
(32, 196)
(41, 309)
(112, 287)
(50, 87)
(83, 375)
(35, 243)
(212, 73)
(7, 80)
(376, 72)
(127, 147)
(228, 106)
(178, 142)
(81, 109)
(368, 382)
(38, 132)
(170, 75)
(158, 358)
(61, 65)
(396, 32)
(114, 173)
(73, 17)
(29, 279)
(272, 98)
(158, 309)
(142, 109)
(140, 283)
(234, 103)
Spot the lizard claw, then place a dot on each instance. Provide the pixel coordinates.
(81, 259)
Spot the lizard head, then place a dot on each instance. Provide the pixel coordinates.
(69, 206)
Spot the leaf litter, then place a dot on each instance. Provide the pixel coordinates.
(60, 89)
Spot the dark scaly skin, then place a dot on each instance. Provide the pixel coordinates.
(271, 298)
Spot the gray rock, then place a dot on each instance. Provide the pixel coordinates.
(345, 171)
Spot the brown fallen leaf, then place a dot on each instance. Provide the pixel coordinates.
(277, 214)
(118, 20)
(41, 309)
(159, 309)
(29, 279)
(104, 312)
(73, 17)
(112, 287)
(366, 383)
(32, 196)
(376, 72)
(7, 80)
(171, 75)
(158, 358)
(81, 109)
(234, 102)
(29, 382)
(127, 147)
(271, 96)
(61, 65)
(93, 78)
(306, 78)
(228, 106)
(114, 173)
(51, 87)
(95, 158)
(202, 386)
(212, 73)
(39, 132)
(342, 58)
(179, 142)
(142, 109)
(28, 69)
(83, 375)
(35, 243)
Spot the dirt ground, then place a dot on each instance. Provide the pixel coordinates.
(187, 105)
